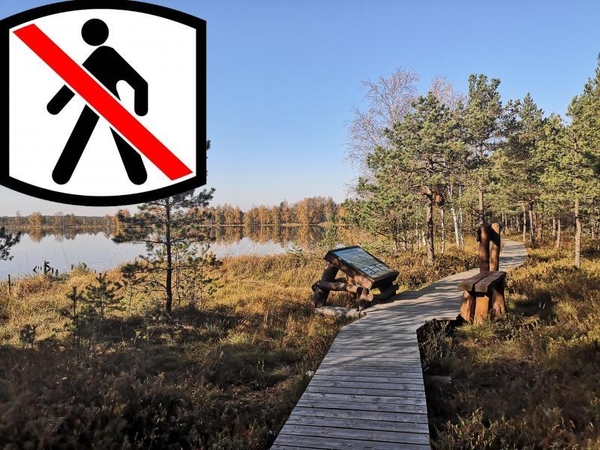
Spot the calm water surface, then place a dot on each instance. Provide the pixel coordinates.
(100, 253)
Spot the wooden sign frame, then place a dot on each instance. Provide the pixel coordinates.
(362, 267)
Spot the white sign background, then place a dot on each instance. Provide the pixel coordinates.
(162, 51)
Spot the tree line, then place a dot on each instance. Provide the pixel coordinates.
(308, 211)
(57, 221)
(439, 164)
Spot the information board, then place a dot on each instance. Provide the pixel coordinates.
(359, 264)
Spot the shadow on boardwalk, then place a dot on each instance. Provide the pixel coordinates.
(368, 392)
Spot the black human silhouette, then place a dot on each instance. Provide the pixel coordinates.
(109, 68)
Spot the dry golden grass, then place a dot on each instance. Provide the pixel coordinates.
(223, 375)
(529, 380)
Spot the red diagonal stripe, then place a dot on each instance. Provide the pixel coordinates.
(102, 101)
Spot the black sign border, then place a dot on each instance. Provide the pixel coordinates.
(114, 200)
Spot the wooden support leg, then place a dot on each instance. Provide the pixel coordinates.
(482, 309)
(320, 295)
(498, 303)
(467, 308)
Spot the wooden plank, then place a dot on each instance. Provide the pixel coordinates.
(493, 278)
(372, 347)
(368, 339)
(410, 356)
(365, 391)
(352, 398)
(303, 442)
(354, 386)
(372, 362)
(400, 346)
(358, 337)
(344, 376)
(481, 283)
(362, 424)
(362, 415)
(395, 353)
(467, 284)
(371, 372)
(356, 364)
(365, 435)
(365, 406)
(291, 447)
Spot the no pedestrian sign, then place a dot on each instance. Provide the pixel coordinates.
(105, 102)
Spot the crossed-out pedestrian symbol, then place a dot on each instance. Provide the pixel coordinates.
(109, 68)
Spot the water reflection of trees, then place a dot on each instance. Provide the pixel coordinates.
(68, 233)
(305, 237)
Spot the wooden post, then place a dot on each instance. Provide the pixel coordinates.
(495, 247)
(9, 285)
(498, 303)
(482, 309)
(320, 295)
(483, 236)
(467, 307)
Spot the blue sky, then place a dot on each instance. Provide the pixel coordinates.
(283, 77)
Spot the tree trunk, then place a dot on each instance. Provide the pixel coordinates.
(524, 222)
(443, 226)
(417, 237)
(168, 245)
(554, 227)
(531, 225)
(456, 228)
(481, 205)
(461, 223)
(577, 235)
(558, 233)
(429, 236)
(454, 216)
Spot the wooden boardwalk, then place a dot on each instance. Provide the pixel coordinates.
(368, 392)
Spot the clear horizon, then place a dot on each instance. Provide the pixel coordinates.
(283, 78)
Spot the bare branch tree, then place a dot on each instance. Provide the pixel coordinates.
(445, 93)
(388, 100)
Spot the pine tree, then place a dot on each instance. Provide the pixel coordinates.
(518, 163)
(167, 226)
(481, 122)
(423, 154)
(7, 240)
(582, 156)
(101, 297)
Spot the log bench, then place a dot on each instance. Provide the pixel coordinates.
(483, 293)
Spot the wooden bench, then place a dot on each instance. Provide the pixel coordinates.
(483, 293)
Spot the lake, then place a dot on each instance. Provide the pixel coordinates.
(99, 252)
